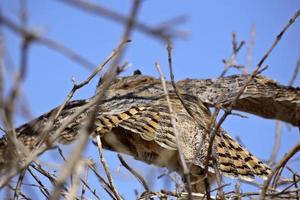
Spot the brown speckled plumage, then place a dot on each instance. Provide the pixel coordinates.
(134, 119)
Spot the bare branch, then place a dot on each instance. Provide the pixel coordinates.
(42, 187)
(186, 171)
(106, 169)
(250, 47)
(76, 181)
(19, 183)
(228, 110)
(50, 43)
(295, 73)
(106, 186)
(231, 62)
(277, 143)
(134, 173)
(161, 32)
(279, 165)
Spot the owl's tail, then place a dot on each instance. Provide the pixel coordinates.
(235, 161)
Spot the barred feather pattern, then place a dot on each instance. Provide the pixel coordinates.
(151, 121)
(134, 119)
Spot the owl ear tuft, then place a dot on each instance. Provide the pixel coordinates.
(137, 72)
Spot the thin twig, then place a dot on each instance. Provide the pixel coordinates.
(186, 171)
(161, 32)
(18, 185)
(108, 77)
(218, 178)
(2, 86)
(84, 181)
(279, 165)
(279, 36)
(295, 73)
(93, 191)
(21, 194)
(130, 23)
(76, 181)
(16, 90)
(285, 190)
(134, 173)
(277, 143)
(42, 187)
(176, 90)
(258, 70)
(61, 153)
(75, 155)
(231, 62)
(50, 177)
(102, 181)
(48, 42)
(87, 81)
(296, 185)
(77, 87)
(278, 123)
(88, 128)
(69, 166)
(10, 106)
(250, 47)
(14, 93)
(106, 169)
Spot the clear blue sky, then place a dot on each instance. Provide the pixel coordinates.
(209, 24)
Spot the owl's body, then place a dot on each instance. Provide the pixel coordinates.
(134, 119)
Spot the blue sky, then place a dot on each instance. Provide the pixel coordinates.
(209, 24)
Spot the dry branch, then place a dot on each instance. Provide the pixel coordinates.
(249, 93)
(164, 32)
(178, 135)
(48, 42)
(134, 173)
(279, 165)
